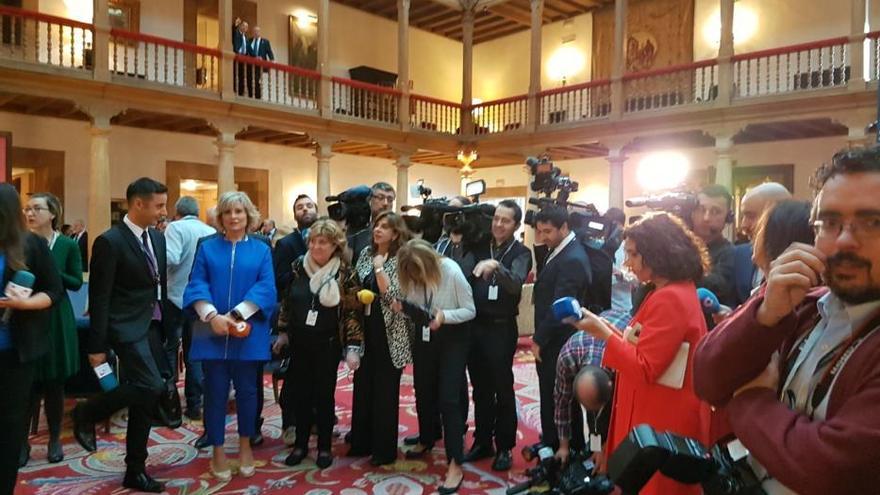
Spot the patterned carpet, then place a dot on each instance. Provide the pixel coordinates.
(174, 460)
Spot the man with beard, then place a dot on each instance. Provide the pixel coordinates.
(707, 221)
(798, 366)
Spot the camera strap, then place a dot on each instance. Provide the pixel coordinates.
(499, 259)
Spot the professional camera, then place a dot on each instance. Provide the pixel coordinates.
(575, 478)
(351, 206)
(549, 179)
(645, 451)
(437, 216)
(679, 203)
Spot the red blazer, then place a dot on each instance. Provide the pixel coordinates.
(838, 455)
(669, 316)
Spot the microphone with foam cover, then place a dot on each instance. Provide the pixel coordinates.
(709, 301)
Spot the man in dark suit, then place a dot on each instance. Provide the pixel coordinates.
(260, 48)
(753, 205)
(81, 236)
(382, 198)
(242, 72)
(127, 304)
(566, 273)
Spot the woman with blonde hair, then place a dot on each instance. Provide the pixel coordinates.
(319, 317)
(232, 290)
(386, 346)
(439, 300)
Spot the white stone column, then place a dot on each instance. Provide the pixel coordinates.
(99, 165)
(725, 54)
(533, 116)
(101, 41)
(323, 152)
(619, 64)
(858, 12)
(224, 40)
(467, 126)
(402, 164)
(616, 159)
(325, 92)
(225, 162)
(724, 162)
(403, 62)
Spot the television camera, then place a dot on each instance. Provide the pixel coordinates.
(722, 470)
(351, 206)
(437, 216)
(678, 203)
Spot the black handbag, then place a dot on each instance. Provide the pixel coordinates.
(169, 412)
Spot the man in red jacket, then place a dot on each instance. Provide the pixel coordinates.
(798, 367)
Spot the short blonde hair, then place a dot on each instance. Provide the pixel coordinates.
(331, 231)
(418, 265)
(230, 198)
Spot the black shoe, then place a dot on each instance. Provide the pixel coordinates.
(194, 413)
(503, 461)
(478, 452)
(83, 431)
(352, 452)
(381, 461)
(141, 482)
(324, 460)
(56, 452)
(24, 455)
(413, 440)
(202, 442)
(442, 490)
(418, 452)
(257, 440)
(295, 457)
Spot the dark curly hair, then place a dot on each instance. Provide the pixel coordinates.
(848, 161)
(669, 248)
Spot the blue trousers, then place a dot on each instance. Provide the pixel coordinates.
(218, 374)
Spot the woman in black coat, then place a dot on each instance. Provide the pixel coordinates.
(24, 326)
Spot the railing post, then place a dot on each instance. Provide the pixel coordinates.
(619, 66)
(403, 63)
(100, 41)
(325, 87)
(725, 55)
(856, 47)
(227, 59)
(467, 121)
(532, 104)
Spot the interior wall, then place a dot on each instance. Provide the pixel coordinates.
(291, 170)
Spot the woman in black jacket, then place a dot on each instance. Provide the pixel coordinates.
(24, 326)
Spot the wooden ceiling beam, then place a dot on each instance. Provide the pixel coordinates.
(495, 34)
(510, 13)
(431, 21)
(416, 16)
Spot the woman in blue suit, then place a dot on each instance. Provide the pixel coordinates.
(232, 285)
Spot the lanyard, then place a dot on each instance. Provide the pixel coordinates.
(324, 283)
(492, 250)
(429, 303)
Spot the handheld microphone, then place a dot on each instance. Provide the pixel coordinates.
(21, 285)
(709, 301)
(566, 307)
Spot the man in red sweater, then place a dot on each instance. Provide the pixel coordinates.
(798, 367)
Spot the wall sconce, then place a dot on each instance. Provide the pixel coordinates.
(305, 19)
(565, 62)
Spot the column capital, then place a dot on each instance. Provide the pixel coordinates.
(100, 112)
(616, 145)
(228, 126)
(323, 150)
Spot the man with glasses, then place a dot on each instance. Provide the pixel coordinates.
(798, 367)
(382, 198)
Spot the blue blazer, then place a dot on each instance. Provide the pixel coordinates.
(744, 271)
(225, 275)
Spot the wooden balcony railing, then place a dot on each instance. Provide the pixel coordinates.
(45, 39)
(276, 83)
(431, 114)
(584, 101)
(820, 64)
(164, 61)
(364, 101)
(504, 115)
(671, 86)
(874, 46)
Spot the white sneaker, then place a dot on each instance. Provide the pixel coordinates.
(289, 436)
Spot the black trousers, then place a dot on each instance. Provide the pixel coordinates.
(143, 369)
(16, 382)
(490, 363)
(437, 369)
(244, 78)
(312, 377)
(546, 385)
(376, 400)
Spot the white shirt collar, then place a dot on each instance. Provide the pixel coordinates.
(560, 247)
(135, 229)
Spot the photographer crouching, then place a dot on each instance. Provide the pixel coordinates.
(798, 367)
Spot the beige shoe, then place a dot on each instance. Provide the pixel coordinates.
(224, 475)
(247, 471)
(289, 436)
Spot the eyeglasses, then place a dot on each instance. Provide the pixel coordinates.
(862, 227)
(384, 198)
(36, 209)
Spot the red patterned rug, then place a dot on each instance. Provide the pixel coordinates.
(174, 460)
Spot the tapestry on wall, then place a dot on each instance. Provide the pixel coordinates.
(660, 33)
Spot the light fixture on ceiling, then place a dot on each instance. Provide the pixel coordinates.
(466, 157)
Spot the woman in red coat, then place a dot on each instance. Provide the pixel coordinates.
(654, 381)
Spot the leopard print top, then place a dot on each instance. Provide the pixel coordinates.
(397, 325)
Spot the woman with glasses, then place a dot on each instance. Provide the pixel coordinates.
(43, 214)
(24, 327)
(654, 356)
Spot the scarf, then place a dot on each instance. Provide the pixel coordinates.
(322, 280)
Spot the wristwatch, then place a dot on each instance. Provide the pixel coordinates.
(380, 269)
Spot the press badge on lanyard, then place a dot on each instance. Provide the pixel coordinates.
(426, 333)
(312, 318)
(493, 292)
(493, 289)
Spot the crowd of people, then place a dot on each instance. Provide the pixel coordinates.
(788, 364)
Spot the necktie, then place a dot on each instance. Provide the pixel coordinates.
(154, 271)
